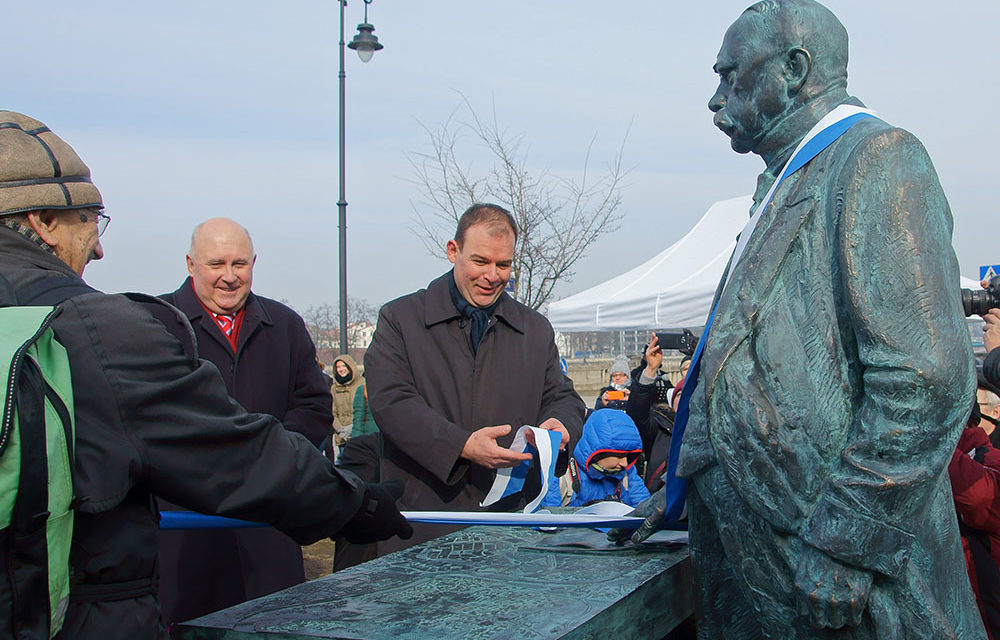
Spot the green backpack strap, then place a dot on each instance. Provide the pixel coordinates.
(36, 485)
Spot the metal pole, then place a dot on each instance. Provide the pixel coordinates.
(342, 203)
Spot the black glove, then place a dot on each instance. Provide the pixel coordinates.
(378, 518)
(653, 509)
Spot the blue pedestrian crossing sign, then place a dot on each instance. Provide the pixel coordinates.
(511, 286)
(988, 271)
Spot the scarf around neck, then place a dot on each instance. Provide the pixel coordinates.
(480, 317)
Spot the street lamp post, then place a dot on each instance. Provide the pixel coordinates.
(366, 44)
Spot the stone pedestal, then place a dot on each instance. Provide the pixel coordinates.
(478, 583)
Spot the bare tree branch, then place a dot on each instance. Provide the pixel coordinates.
(323, 321)
(558, 218)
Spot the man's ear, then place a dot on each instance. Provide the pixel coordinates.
(798, 64)
(44, 223)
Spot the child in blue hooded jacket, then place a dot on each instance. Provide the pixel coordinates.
(605, 458)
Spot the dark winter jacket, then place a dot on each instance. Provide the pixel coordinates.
(608, 431)
(429, 392)
(655, 424)
(273, 370)
(152, 418)
(991, 367)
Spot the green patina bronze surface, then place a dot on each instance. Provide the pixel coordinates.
(837, 374)
(478, 583)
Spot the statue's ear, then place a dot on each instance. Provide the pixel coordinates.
(798, 63)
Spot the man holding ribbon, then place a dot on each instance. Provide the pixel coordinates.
(827, 393)
(454, 370)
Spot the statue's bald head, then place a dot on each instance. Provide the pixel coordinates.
(787, 24)
(777, 58)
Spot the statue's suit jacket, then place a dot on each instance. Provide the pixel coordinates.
(836, 380)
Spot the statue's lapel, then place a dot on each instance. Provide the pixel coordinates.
(754, 275)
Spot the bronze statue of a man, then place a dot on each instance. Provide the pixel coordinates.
(837, 373)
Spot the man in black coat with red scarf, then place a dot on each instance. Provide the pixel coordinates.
(268, 362)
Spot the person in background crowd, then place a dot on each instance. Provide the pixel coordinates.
(347, 381)
(361, 454)
(452, 367)
(988, 403)
(685, 365)
(615, 395)
(363, 420)
(268, 362)
(327, 379)
(652, 414)
(150, 417)
(974, 472)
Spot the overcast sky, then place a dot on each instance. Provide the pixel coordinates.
(192, 109)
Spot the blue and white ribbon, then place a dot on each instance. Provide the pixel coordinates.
(510, 480)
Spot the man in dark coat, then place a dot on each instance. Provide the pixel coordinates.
(268, 363)
(455, 368)
(833, 381)
(145, 406)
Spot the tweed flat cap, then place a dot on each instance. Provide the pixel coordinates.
(40, 171)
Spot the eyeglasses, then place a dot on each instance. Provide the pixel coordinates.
(102, 219)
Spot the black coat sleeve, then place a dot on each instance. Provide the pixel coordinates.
(148, 413)
(638, 405)
(991, 367)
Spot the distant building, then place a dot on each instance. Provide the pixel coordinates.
(359, 335)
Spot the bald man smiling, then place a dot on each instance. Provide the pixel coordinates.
(268, 362)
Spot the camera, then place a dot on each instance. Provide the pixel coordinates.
(978, 302)
(683, 341)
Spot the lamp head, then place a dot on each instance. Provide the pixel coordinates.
(365, 42)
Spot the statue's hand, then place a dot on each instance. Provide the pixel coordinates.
(831, 594)
(652, 509)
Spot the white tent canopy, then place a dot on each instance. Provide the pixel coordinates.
(673, 290)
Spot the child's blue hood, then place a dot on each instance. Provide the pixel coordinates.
(607, 430)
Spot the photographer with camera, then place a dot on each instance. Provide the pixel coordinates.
(649, 407)
(986, 303)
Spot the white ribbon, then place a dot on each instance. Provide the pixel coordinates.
(510, 480)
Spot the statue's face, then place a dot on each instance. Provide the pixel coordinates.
(752, 95)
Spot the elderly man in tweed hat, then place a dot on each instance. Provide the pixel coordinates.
(144, 405)
(42, 174)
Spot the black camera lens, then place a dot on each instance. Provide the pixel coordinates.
(975, 303)
(978, 302)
